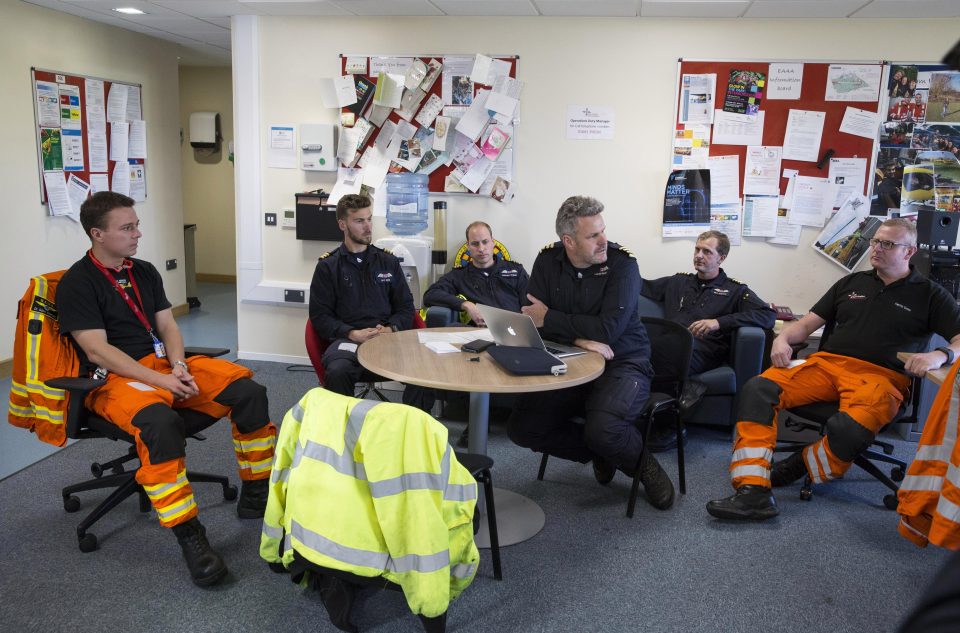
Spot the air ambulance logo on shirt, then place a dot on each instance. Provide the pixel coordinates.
(603, 270)
(384, 277)
(856, 296)
(721, 291)
(512, 272)
(124, 283)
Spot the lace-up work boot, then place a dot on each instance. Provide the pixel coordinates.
(788, 470)
(655, 482)
(748, 503)
(205, 564)
(253, 499)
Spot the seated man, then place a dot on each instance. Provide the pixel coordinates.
(873, 315)
(709, 304)
(358, 291)
(116, 310)
(584, 290)
(484, 279)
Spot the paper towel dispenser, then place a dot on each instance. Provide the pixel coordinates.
(205, 130)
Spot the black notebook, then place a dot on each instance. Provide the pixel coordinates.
(527, 361)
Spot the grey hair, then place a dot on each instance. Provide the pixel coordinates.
(904, 224)
(575, 207)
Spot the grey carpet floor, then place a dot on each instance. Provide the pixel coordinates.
(833, 564)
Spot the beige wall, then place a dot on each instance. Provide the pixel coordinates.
(628, 64)
(208, 177)
(31, 242)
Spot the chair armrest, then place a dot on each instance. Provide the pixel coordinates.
(73, 384)
(440, 316)
(649, 308)
(212, 352)
(747, 351)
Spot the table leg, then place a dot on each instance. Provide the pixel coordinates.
(479, 423)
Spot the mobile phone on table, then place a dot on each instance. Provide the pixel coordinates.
(476, 346)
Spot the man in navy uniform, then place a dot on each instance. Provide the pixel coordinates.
(358, 292)
(584, 291)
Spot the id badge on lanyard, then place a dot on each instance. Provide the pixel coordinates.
(158, 347)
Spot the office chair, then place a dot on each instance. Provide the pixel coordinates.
(814, 417)
(317, 345)
(84, 424)
(671, 348)
(747, 351)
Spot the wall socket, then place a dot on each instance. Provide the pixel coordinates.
(294, 296)
(171, 264)
(270, 219)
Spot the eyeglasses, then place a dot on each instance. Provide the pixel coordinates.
(886, 245)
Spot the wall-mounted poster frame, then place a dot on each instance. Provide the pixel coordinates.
(79, 121)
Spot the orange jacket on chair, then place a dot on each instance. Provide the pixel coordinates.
(40, 352)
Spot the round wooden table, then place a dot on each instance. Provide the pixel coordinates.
(401, 356)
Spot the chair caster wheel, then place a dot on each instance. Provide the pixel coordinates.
(97, 470)
(71, 503)
(88, 543)
(896, 473)
(890, 502)
(230, 493)
(806, 494)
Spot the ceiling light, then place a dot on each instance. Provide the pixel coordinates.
(129, 11)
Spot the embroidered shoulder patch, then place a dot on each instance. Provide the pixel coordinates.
(325, 255)
(626, 250)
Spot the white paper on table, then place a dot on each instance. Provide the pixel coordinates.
(282, 146)
(346, 87)
(429, 111)
(860, 122)
(738, 129)
(853, 82)
(724, 179)
(475, 120)
(99, 182)
(328, 93)
(454, 338)
(784, 81)
(349, 181)
(728, 219)
(356, 66)
(77, 191)
(761, 173)
(117, 103)
(804, 132)
(849, 174)
(70, 107)
(697, 96)
(138, 182)
(121, 178)
(787, 234)
(812, 200)
(138, 139)
(58, 200)
(455, 68)
(48, 104)
(71, 145)
(477, 173)
(760, 216)
(389, 90)
(502, 104)
(441, 347)
(119, 141)
(791, 176)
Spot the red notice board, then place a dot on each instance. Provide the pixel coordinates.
(812, 97)
(74, 99)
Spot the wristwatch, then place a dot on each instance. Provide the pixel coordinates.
(182, 364)
(948, 352)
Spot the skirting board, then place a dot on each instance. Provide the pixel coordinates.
(214, 278)
(181, 310)
(274, 358)
(6, 368)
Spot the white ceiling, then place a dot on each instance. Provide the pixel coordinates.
(202, 27)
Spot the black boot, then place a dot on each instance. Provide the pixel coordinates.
(253, 499)
(205, 564)
(655, 482)
(788, 470)
(603, 470)
(748, 503)
(663, 437)
(337, 597)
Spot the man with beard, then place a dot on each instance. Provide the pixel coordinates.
(358, 292)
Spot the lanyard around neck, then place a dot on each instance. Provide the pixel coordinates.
(137, 311)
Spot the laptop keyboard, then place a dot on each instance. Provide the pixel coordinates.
(553, 350)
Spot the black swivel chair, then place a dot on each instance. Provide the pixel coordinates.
(83, 424)
(814, 417)
(671, 347)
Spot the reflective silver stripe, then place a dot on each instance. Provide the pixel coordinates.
(286, 544)
(809, 456)
(245, 446)
(953, 475)
(365, 558)
(822, 456)
(165, 489)
(752, 453)
(272, 532)
(405, 482)
(929, 483)
(296, 412)
(355, 424)
(909, 527)
(750, 471)
(177, 509)
(460, 492)
(280, 475)
(948, 510)
(935, 453)
(462, 570)
(341, 462)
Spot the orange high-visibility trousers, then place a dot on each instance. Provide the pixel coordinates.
(869, 397)
(159, 437)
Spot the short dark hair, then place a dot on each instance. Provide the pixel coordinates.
(352, 202)
(94, 210)
(575, 207)
(723, 242)
(473, 225)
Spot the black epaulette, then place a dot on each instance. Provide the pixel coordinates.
(548, 246)
(736, 281)
(325, 255)
(627, 251)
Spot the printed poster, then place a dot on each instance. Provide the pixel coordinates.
(51, 149)
(686, 203)
(744, 92)
(853, 82)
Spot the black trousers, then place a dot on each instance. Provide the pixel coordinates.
(541, 421)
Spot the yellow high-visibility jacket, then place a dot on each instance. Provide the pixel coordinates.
(374, 489)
